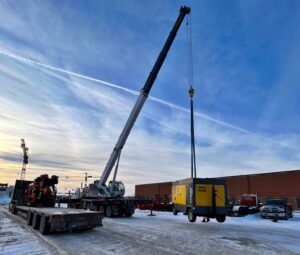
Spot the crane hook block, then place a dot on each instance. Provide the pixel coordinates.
(191, 92)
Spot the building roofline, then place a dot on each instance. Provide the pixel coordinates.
(267, 173)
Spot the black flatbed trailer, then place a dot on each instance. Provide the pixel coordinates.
(56, 219)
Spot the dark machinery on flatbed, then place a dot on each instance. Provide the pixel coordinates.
(42, 191)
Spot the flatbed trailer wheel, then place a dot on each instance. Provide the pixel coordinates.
(13, 209)
(191, 216)
(29, 218)
(220, 218)
(36, 221)
(44, 225)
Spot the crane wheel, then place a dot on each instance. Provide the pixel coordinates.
(129, 212)
(108, 211)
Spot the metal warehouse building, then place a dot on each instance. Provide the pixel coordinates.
(284, 184)
(267, 185)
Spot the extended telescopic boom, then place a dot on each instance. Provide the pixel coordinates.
(142, 98)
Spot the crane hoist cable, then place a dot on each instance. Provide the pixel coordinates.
(191, 93)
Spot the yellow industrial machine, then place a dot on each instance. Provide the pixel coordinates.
(200, 197)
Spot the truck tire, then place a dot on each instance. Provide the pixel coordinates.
(44, 225)
(191, 216)
(286, 216)
(29, 218)
(36, 221)
(108, 211)
(175, 212)
(221, 218)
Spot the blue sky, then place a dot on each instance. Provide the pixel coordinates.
(246, 57)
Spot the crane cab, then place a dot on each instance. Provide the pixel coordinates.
(117, 188)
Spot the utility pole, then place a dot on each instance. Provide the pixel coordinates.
(25, 159)
(193, 154)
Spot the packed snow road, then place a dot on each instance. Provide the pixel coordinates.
(16, 238)
(168, 234)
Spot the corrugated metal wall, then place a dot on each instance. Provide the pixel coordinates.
(157, 191)
(268, 185)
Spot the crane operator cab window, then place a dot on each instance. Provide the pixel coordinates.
(118, 187)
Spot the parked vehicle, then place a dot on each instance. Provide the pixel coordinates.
(247, 204)
(278, 208)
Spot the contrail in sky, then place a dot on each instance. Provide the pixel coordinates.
(134, 92)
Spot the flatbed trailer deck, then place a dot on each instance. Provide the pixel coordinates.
(58, 219)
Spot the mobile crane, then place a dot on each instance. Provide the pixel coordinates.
(110, 198)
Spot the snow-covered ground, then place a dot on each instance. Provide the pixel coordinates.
(17, 239)
(167, 234)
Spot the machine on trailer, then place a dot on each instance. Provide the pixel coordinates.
(110, 198)
(42, 191)
(35, 200)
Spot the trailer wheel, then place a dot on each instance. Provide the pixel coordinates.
(44, 225)
(108, 211)
(29, 218)
(13, 209)
(220, 218)
(175, 212)
(191, 216)
(36, 221)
